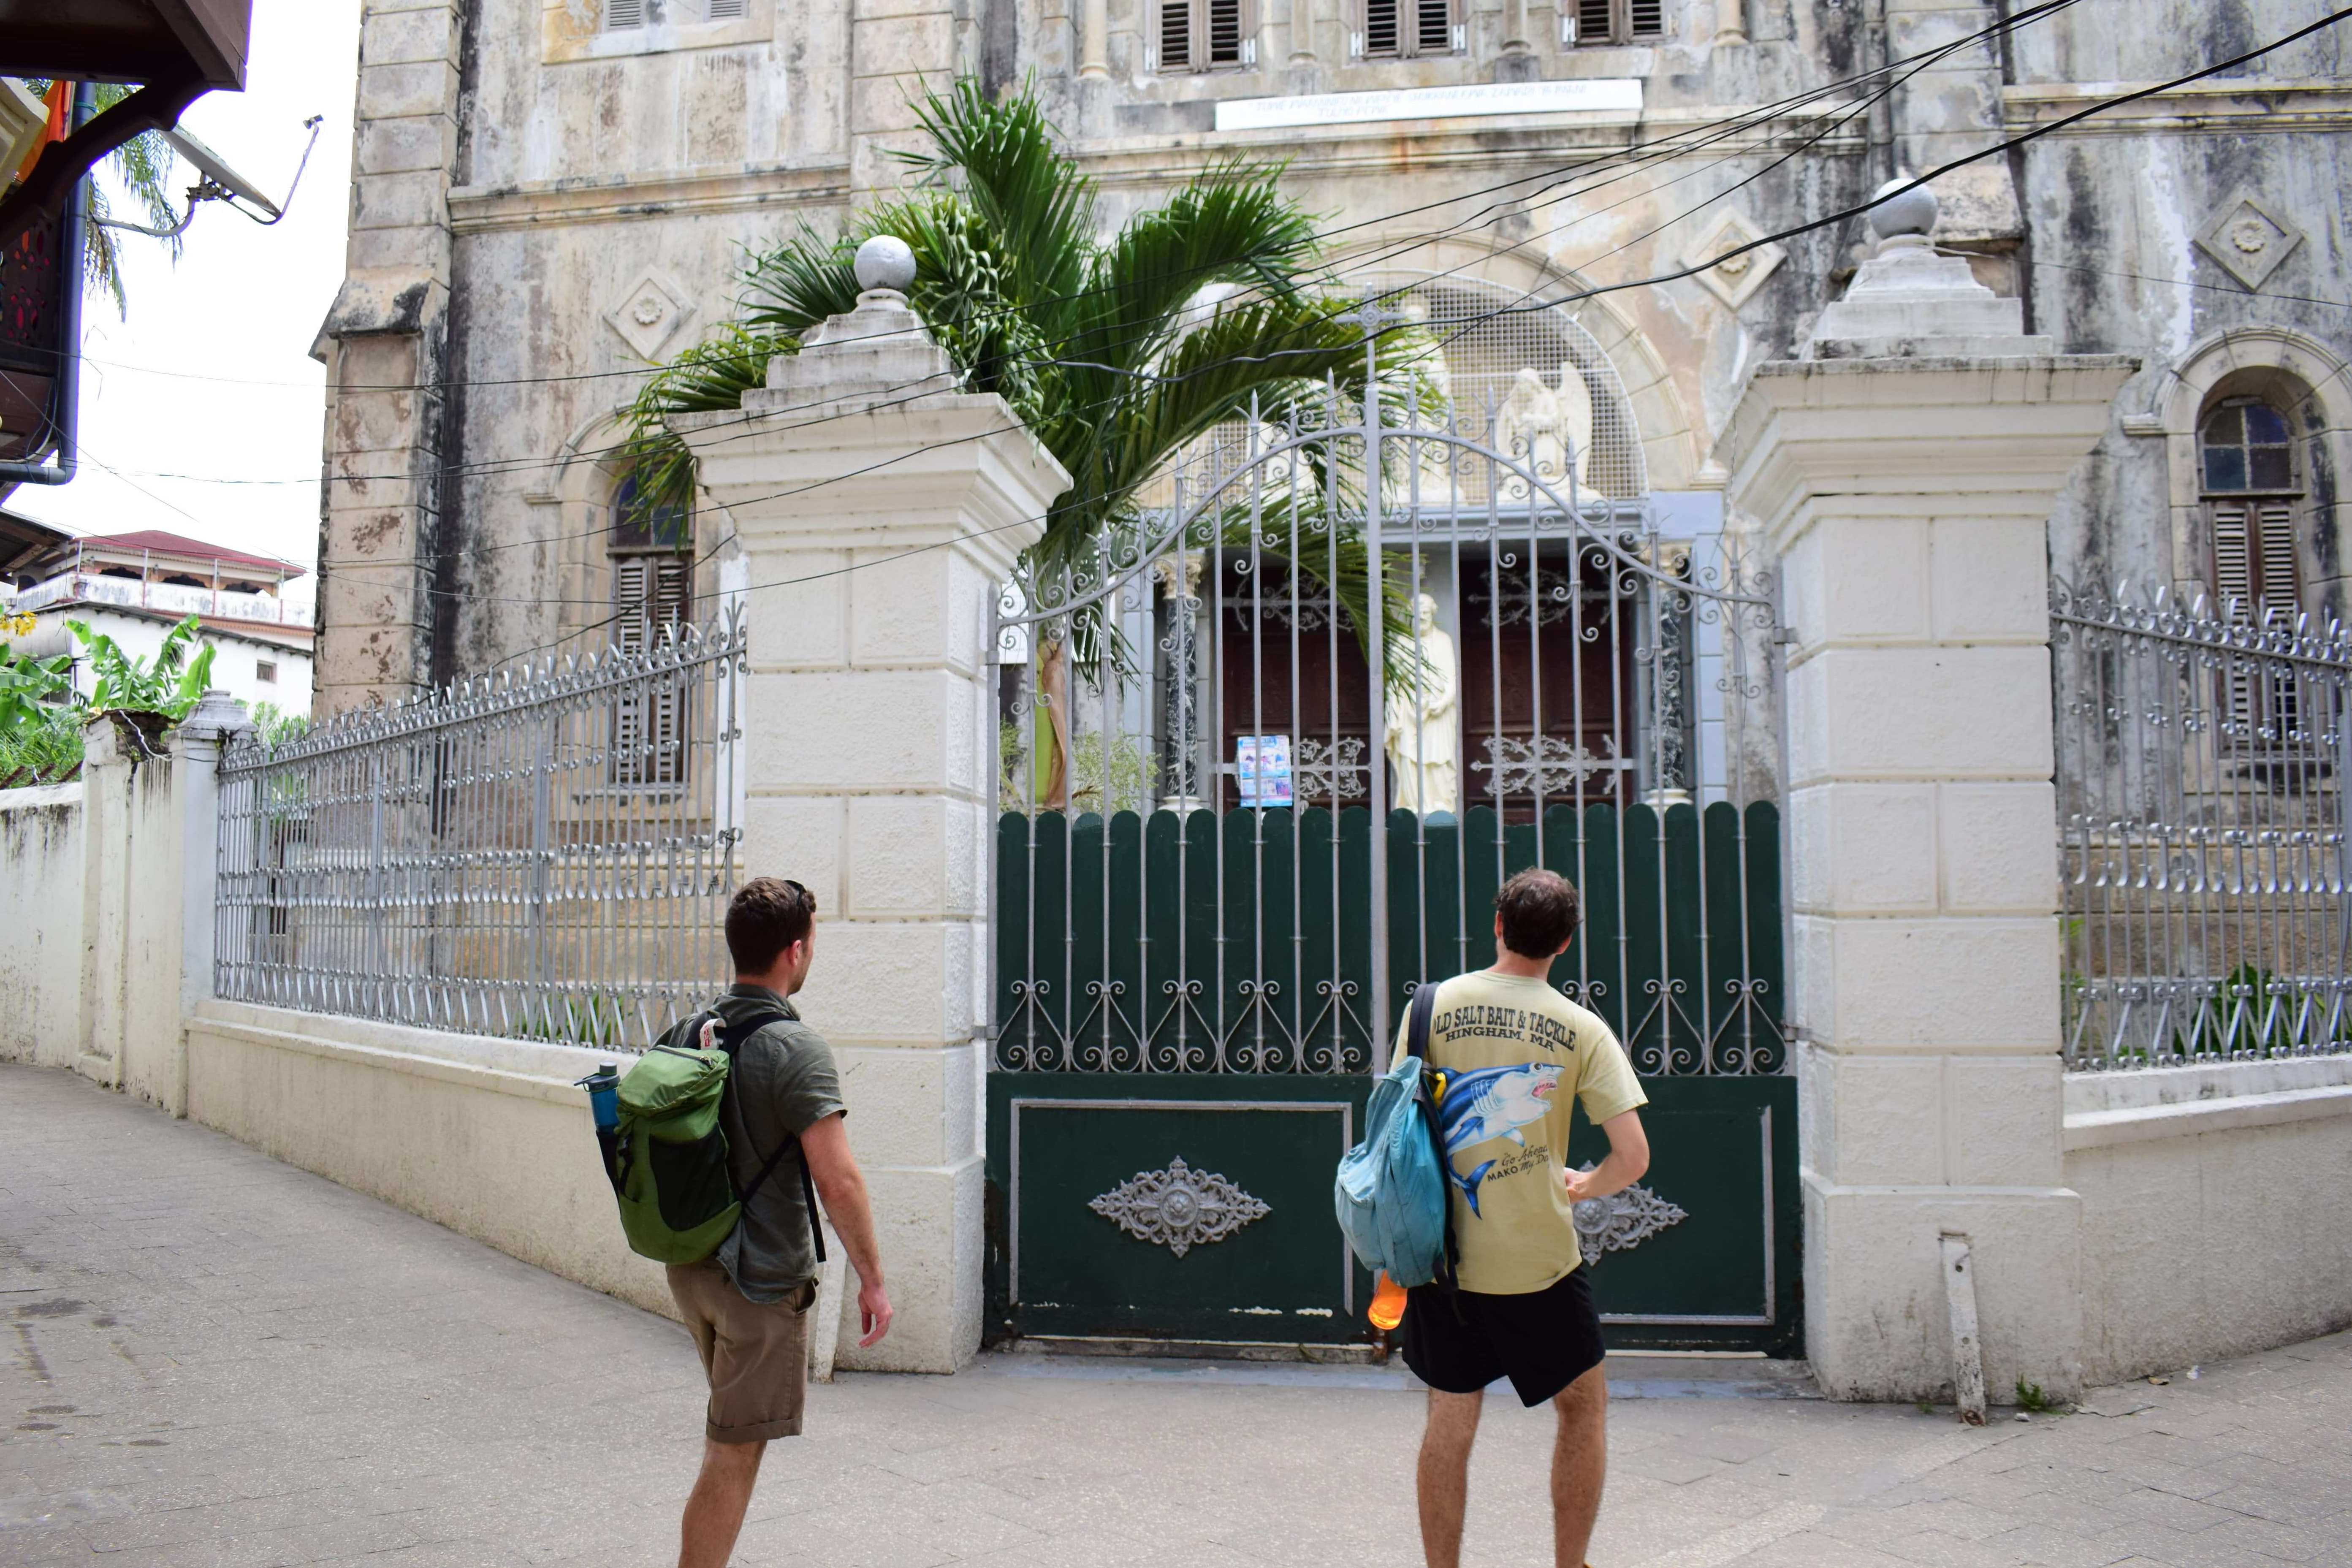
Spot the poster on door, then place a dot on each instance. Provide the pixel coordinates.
(1262, 763)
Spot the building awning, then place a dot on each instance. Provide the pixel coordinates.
(128, 40)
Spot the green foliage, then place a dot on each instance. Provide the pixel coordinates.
(274, 726)
(2030, 1396)
(40, 727)
(170, 684)
(41, 714)
(1115, 350)
(143, 164)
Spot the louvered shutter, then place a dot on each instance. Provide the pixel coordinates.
(1175, 34)
(622, 14)
(654, 595)
(728, 10)
(1380, 36)
(1433, 26)
(2279, 580)
(2233, 564)
(1592, 21)
(1225, 32)
(1648, 18)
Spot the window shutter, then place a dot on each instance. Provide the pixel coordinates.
(1433, 30)
(1225, 32)
(620, 16)
(2278, 580)
(1648, 18)
(1592, 21)
(654, 596)
(1175, 34)
(728, 10)
(1380, 35)
(2233, 567)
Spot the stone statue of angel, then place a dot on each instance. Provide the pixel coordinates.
(1547, 428)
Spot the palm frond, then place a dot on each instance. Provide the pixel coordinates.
(1003, 158)
(712, 375)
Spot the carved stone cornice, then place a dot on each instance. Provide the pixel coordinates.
(478, 209)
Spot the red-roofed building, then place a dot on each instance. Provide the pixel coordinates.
(135, 586)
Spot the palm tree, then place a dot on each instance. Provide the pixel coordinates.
(143, 165)
(1100, 343)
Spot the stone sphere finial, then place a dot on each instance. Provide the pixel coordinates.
(1913, 211)
(885, 262)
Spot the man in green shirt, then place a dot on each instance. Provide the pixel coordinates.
(748, 1306)
(1513, 1053)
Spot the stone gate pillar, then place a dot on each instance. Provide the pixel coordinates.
(1905, 471)
(879, 509)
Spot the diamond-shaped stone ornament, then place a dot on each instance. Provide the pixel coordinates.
(2248, 239)
(650, 314)
(1735, 279)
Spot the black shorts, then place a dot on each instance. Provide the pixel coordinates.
(1542, 1341)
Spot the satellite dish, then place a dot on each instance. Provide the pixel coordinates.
(215, 168)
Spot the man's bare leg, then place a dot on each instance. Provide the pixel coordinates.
(714, 1512)
(1444, 1476)
(1579, 1462)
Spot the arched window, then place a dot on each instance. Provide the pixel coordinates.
(2246, 466)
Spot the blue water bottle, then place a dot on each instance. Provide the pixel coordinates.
(603, 1086)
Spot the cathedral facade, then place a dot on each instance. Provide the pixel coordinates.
(552, 196)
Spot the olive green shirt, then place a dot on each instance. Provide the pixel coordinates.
(782, 1083)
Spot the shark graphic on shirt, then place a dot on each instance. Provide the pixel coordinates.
(1492, 1102)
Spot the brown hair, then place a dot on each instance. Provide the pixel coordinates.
(1540, 911)
(767, 915)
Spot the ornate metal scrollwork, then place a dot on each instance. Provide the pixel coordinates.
(1622, 1222)
(1180, 1208)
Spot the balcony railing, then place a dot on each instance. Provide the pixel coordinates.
(173, 598)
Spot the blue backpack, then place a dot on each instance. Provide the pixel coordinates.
(1390, 1191)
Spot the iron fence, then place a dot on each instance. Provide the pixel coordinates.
(1341, 614)
(545, 854)
(2201, 753)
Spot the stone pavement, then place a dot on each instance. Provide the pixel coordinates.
(213, 1358)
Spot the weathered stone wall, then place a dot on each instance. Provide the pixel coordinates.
(41, 957)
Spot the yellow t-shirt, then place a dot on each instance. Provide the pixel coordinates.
(1515, 1052)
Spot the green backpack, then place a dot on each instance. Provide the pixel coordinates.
(668, 1166)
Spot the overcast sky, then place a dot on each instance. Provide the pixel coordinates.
(210, 380)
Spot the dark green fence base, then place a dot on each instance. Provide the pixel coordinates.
(1058, 1266)
(1722, 1277)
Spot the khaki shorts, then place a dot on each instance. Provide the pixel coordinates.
(756, 1357)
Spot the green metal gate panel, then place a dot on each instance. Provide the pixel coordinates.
(1158, 1044)
(1061, 1147)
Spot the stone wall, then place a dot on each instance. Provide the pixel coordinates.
(41, 873)
(2212, 1219)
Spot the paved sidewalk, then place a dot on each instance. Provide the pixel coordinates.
(208, 1357)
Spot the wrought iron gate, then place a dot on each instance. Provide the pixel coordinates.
(1337, 614)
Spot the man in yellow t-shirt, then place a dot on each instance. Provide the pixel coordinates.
(1513, 1053)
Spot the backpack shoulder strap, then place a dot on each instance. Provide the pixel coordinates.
(731, 1039)
(1424, 1002)
(1416, 1039)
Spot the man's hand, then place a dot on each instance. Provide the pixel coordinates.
(873, 1313)
(1579, 1185)
(1629, 1156)
(825, 1144)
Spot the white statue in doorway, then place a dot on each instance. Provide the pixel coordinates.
(1547, 428)
(1436, 485)
(1422, 721)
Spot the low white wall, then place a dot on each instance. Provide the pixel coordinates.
(488, 1137)
(41, 942)
(2216, 1210)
